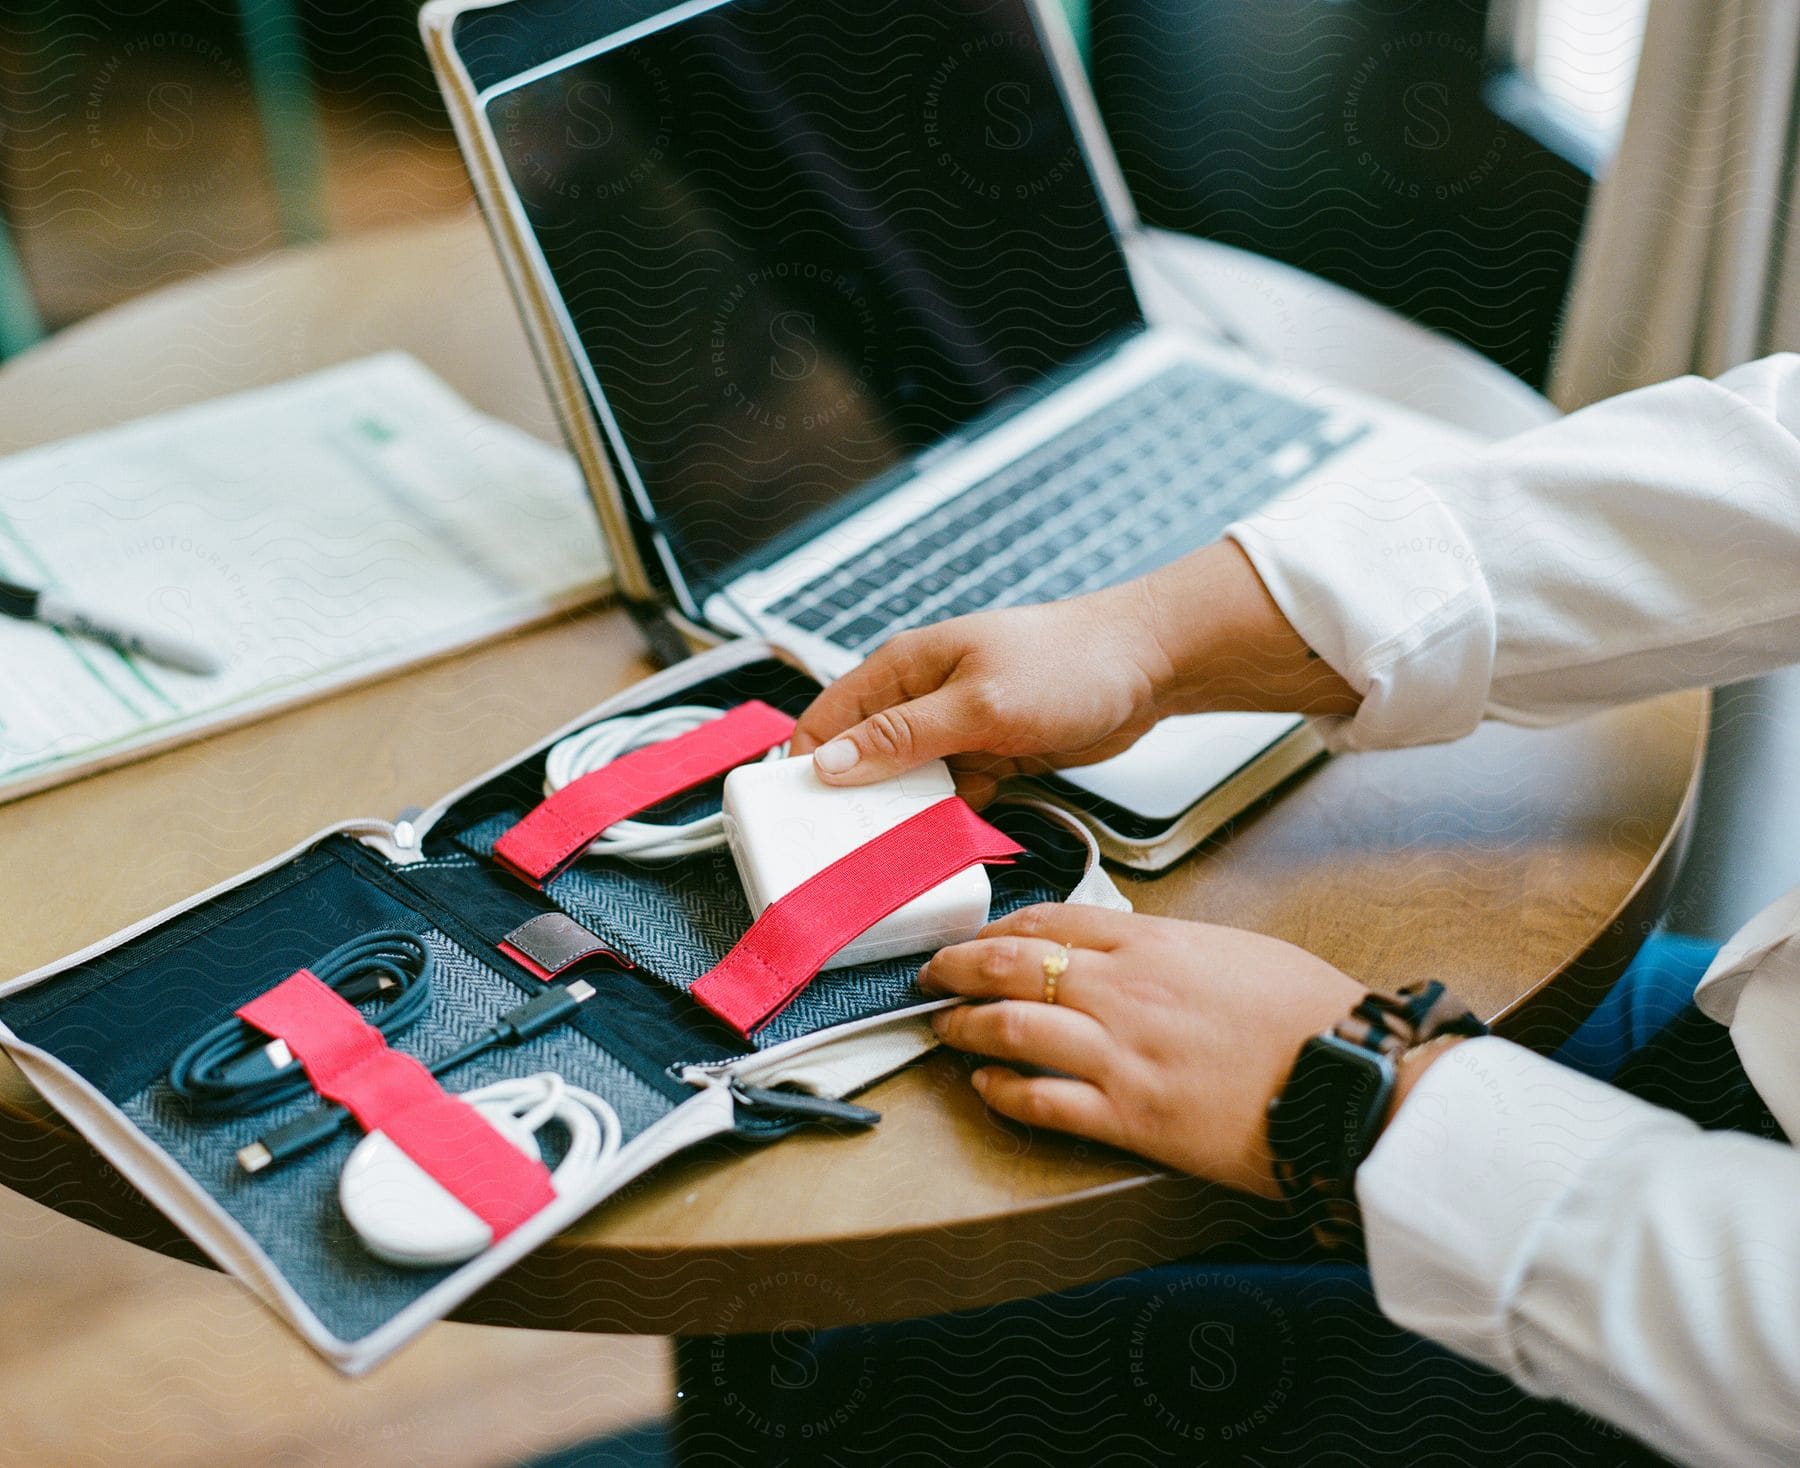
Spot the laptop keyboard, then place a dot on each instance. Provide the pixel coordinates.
(1153, 474)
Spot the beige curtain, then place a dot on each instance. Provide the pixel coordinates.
(1689, 262)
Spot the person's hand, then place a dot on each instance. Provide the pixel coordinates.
(995, 694)
(1068, 683)
(1171, 1038)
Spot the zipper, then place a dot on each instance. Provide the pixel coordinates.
(800, 1106)
(782, 1107)
(787, 1107)
(701, 1072)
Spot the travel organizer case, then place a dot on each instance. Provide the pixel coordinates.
(96, 1033)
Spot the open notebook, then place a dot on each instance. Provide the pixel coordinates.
(311, 534)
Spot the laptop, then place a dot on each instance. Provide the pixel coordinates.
(836, 302)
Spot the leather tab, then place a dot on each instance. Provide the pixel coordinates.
(546, 945)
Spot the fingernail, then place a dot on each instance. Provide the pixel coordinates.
(836, 757)
(980, 1081)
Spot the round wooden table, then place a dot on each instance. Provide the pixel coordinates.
(1522, 866)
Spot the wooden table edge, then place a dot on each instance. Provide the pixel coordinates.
(1542, 1019)
(653, 1290)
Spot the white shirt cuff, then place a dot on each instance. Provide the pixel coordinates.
(1460, 1192)
(1383, 584)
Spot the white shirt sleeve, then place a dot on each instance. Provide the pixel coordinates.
(1647, 543)
(1597, 1249)
(1588, 1245)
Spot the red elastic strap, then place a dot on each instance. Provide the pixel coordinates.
(798, 933)
(349, 1062)
(562, 827)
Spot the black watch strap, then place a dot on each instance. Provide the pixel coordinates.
(1327, 1118)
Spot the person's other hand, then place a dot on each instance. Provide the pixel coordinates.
(1170, 1038)
(995, 694)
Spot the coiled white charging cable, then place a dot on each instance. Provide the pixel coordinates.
(404, 1216)
(600, 744)
(535, 1100)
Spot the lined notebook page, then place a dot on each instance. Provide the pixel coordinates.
(310, 534)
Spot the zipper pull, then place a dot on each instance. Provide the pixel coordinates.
(800, 1106)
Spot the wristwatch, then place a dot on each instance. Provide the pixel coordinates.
(1330, 1112)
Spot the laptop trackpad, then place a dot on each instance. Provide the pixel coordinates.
(1180, 761)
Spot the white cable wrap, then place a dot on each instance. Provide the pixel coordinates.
(590, 1121)
(405, 1216)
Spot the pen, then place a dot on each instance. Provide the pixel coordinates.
(54, 609)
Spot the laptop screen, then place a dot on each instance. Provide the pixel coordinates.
(802, 240)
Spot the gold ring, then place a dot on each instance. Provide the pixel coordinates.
(1055, 966)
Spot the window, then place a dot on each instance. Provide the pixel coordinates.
(1564, 70)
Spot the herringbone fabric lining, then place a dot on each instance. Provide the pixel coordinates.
(675, 920)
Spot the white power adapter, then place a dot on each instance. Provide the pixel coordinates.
(784, 824)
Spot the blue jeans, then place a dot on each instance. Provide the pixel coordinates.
(1278, 1359)
(1649, 996)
